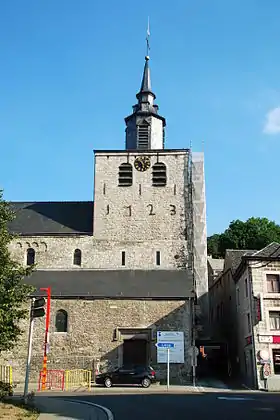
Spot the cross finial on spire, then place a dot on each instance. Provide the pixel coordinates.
(148, 39)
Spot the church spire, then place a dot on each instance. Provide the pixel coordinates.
(142, 131)
(146, 86)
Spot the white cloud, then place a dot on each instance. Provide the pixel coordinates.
(272, 121)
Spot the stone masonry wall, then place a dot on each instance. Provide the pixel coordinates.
(91, 330)
(57, 253)
(156, 213)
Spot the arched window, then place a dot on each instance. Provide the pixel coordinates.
(125, 175)
(61, 321)
(77, 260)
(30, 256)
(159, 174)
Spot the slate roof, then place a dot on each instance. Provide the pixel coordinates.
(161, 284)
(216, 263)
(48, 218)
(270, 251)
(235, 256)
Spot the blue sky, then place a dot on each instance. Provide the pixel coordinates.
(70, 71)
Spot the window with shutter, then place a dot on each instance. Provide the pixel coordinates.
(159, 175)
(125, 175)
(143, 137)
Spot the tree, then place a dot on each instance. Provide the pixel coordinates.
(13, 292)
(256, 233)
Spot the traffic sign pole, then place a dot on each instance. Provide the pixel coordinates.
(46, 341)
(28, 361)
(168, 366)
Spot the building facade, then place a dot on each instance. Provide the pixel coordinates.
(128, 264)
(244, 306)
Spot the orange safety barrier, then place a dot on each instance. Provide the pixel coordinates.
(55, 380)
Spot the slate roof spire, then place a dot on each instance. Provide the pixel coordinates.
(146, 86)
(145, 128)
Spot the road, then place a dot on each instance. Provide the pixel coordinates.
(175, 405)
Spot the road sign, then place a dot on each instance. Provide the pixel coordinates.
(165, 345)
(176, 352)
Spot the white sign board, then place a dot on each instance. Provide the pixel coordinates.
(265, 339)
(176, 354)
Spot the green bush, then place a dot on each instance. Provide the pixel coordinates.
(6, 390)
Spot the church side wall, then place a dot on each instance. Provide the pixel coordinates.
(57, 253)
(91, 334)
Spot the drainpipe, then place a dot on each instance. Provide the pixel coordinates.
(252, 326)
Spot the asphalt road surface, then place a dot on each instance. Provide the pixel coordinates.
(194, 406)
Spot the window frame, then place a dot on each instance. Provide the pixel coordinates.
(273, 351)
(249, 322)
(33, 256)
(66, 318)
(127, 181)
(270, 312)
(158, 258)
(123, 259)
(77, 256)
(156, 178)
(246, 286)
(274, 273)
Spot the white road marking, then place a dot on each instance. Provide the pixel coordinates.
(264, 409)
(101, 407)
(235, 398)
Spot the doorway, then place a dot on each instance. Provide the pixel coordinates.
(135, 352)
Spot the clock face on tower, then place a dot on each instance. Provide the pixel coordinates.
(142, 163)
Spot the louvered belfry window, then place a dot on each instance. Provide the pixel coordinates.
(125, 175)
(159, 175)
(143, 136)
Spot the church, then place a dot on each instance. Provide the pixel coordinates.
(125, 266)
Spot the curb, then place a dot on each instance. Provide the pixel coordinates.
(104, 409)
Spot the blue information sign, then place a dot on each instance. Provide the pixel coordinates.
(165, 345)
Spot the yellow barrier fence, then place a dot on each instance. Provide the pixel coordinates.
(77, 378)
(6, 374)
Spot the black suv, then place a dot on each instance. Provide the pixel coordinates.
(127, 375)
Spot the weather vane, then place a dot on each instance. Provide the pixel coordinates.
(148, 37)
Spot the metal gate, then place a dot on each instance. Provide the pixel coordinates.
(55, 380)
(6, 374)
(77, 378)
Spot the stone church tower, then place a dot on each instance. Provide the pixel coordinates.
(126, 266)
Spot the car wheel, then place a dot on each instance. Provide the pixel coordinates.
(146, 383)
(108, 383)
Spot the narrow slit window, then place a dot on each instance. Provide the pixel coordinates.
(158, 258)
(77, 259)
(123, 257)
(125, 175)
(30, 256)
(159, 175)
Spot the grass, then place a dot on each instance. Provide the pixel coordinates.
(16, 410)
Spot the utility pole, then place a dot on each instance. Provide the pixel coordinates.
(46, 341)
(37, 310)
(28, 361)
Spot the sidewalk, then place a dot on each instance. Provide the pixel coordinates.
(52, 408)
